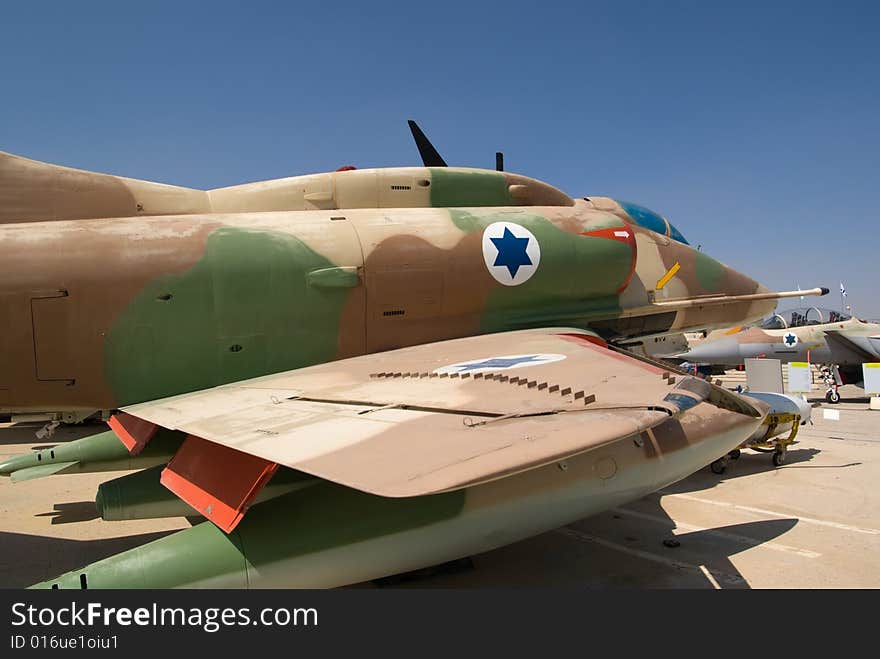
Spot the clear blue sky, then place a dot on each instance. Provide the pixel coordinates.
(752, 126)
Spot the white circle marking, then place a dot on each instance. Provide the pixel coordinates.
(509, 260)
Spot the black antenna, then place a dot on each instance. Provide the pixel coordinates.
(429, 154)
(499, 161)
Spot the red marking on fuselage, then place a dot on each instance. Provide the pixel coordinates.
(589, 338)
(623, 234)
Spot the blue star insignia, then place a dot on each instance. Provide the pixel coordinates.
(501, 362)
(790, 339)
(511, 251)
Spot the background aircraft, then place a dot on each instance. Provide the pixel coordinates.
(820, 336)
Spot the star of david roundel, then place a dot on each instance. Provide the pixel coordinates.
(511, 252)
(500, 363)
(790, 339)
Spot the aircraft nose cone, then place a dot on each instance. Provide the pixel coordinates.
(722, 351)
(16, 462)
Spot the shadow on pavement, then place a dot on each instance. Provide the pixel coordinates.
(26, 433)
(29, 559)
(76, 511)
(749, 463)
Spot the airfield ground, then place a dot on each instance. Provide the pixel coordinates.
(812, 523)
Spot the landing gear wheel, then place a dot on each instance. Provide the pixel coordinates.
(778, 459)
(719, 466)
(734, 454)
(832, 396)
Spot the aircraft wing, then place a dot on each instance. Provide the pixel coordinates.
(412, 421)
(843, 347)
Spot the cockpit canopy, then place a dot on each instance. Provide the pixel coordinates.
(647, 218)
(802, 317)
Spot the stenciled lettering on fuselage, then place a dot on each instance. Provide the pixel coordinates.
(511, 252)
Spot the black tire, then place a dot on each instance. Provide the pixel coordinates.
(778, 459)
(832, 396)
(734, 454)
(719, 466)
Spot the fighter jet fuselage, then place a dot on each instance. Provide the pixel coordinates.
(110, 312)
(849, 342)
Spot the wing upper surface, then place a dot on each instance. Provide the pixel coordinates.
(435, 417)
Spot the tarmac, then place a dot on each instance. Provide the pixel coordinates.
(814, 522)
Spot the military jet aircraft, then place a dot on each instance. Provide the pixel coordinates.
(821, 336)
(415, 360)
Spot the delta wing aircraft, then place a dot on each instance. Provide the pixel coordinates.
(360, 373)
(820, 336)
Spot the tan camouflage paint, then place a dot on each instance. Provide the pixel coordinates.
(416, 259)
(408, 271)
(33, 191)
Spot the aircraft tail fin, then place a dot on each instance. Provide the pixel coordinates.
(430, 156)
(33, 191)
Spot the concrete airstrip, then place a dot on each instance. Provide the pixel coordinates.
(812, 523)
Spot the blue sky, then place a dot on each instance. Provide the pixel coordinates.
(752, 126)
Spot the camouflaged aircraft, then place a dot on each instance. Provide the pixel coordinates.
(809, 334)
(356, 373)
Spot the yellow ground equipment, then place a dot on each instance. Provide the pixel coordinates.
(767, 439)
